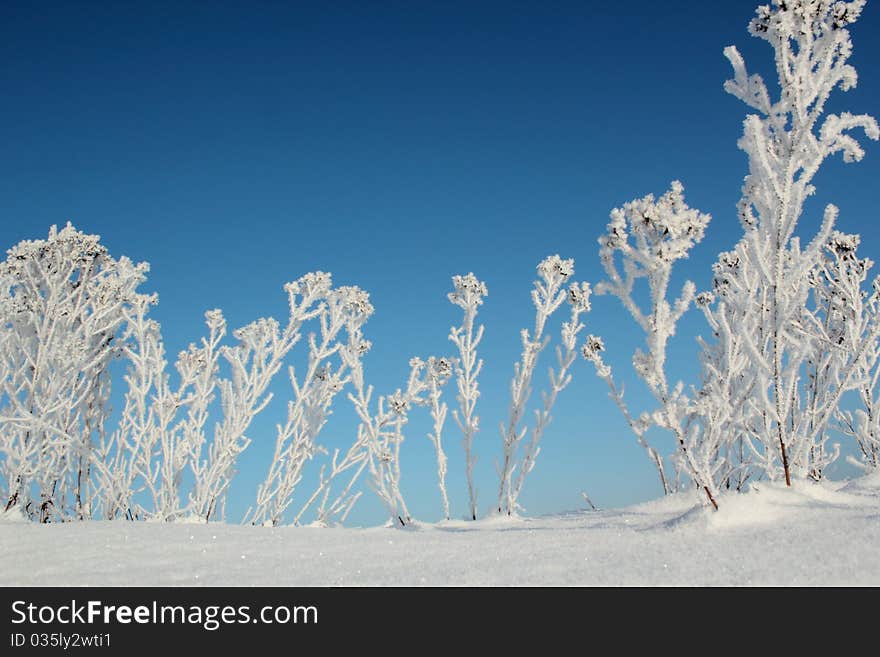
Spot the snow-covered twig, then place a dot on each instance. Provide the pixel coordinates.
(548, 294)
(649, 236)
(468, 294)
(345, 308)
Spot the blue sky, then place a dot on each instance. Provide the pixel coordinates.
(236, 146)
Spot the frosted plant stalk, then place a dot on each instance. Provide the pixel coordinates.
(548, 294)
(592, 350)
(566, 354)
(354, 459)
(381, 433)
(468, 293)
(437, 373)
(845, 314)
(117, 466)
(649, 236)
(346, 308)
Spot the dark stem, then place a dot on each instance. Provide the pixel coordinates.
(12, 501)
(711, 499)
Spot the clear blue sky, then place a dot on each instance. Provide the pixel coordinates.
(236, 146)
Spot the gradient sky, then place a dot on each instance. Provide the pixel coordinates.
(236, 146)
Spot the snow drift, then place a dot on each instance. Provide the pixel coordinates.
(812, 534)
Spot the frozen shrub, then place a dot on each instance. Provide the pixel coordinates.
(64, 303)
(767, 294)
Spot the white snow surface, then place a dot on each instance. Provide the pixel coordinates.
(811, 534)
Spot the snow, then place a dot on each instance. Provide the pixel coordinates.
(812, 534)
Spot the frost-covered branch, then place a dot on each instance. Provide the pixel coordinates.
(468, 294)
(845, 322)
(121, 455)
(437, 373)
(345, 308)
(357, 455)
(559, 378)
(650, 236)
(382, 444)
(548, 294)
(592, 351)
(382, 431)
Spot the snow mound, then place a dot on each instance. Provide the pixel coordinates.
(12, 515)
(763, 504)
(811, 534)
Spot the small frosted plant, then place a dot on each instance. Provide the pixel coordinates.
(468, 293)
(548, 294)
(649, 236)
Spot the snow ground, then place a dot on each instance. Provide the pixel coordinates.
(810, 535)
